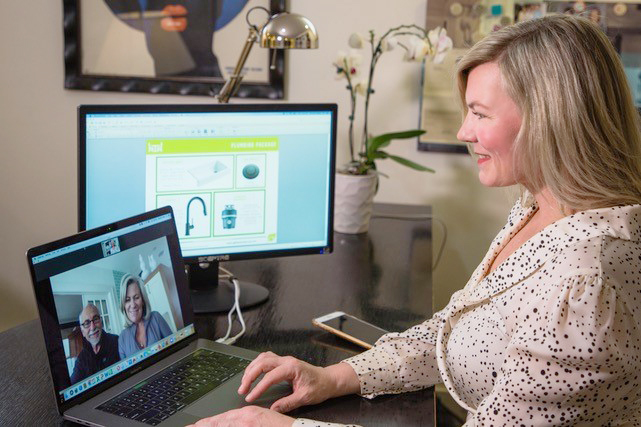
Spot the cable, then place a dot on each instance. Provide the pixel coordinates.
(227, 276)
(235, 308)
(420, 217)
(239, 314)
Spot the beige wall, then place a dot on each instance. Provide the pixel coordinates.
(38, 138)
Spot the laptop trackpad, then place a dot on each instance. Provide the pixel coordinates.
(226, 397)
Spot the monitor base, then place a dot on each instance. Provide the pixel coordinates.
(211, 295)
(220, 298)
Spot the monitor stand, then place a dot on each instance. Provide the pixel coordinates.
(209, 296)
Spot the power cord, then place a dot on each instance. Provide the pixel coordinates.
(227, 275)
(420, 217)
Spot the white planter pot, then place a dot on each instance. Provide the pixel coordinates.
(353, 200)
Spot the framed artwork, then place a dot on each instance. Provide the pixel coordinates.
(468, 21)
(440, 110)
(186, 47)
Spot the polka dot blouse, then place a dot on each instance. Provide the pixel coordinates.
(550, 337)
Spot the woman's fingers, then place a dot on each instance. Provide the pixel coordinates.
(274, 376)
(288, 403)
(262, 356)
(310, 384)
(265, 362)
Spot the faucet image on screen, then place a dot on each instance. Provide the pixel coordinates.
(189, 226)
(229, 217)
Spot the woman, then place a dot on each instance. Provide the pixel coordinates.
(548, 329)
(144, 327)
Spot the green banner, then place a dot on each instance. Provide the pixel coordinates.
(212, 145)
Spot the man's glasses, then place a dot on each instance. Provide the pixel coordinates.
(95, 321)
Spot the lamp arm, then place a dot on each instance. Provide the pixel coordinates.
(231, 85)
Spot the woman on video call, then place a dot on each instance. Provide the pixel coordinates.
(144, 326)
(548, 329)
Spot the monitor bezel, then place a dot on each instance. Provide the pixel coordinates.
(84, 110)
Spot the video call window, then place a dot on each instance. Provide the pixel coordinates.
(99, 305)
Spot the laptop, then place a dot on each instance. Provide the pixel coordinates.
(87, 317)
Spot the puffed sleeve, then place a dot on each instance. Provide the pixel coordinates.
(575, 360)
(401, 361)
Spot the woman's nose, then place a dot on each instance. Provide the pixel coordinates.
(466, 132)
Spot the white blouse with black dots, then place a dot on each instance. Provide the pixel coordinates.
(552, 336)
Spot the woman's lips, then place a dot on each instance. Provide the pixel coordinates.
(176, 18)
(482, 158)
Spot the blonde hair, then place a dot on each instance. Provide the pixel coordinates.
(581, 133)
(125, 282)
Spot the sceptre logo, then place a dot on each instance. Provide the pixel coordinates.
(214, 258)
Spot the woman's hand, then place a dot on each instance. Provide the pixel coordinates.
(249, 416)
(310, 384)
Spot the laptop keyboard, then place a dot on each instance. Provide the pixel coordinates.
(157, 398)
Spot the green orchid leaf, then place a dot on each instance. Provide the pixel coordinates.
(380, 155)
(410, 164)
(385, 139)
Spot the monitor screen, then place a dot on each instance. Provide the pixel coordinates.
(244, 181)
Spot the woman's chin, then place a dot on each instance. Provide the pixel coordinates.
(487, 181)
(492, 180)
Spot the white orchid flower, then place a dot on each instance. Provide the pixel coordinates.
(388, 43)
(349, 63)
(417, 49)
(356, 41)
(339, 62)
(362, 87)
(440, 42)
(354, 61)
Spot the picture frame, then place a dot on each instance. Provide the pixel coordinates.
(166, 50)
(440, 115)
(468, 21)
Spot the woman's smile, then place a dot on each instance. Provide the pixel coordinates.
(482, 158)
(133, 311)
(134, 303)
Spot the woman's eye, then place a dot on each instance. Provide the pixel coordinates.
(478, 115)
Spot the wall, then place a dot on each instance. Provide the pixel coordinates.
(38, 136)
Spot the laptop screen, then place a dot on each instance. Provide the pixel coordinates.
(111, 299)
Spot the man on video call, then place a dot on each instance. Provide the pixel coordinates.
(99, 348)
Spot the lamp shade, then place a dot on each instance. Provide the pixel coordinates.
(289, 31)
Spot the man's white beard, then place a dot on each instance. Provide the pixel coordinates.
(94, 339)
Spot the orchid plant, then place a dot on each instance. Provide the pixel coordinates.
(419, 45)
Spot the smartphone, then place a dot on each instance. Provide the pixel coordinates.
(350, 328)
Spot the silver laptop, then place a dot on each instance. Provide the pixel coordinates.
(94, 291)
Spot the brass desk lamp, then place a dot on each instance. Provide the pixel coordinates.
(281, 31)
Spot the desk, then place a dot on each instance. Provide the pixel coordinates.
(383, 276)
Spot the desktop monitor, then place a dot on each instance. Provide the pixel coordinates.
(244, 181)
